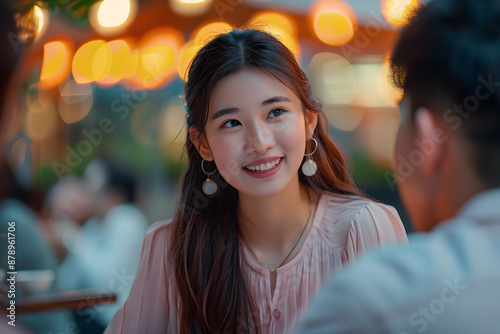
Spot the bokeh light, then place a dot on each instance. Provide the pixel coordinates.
(396, 11)
(75, 101)
(110, 17)
(333, 78)
(92, 62)
(333, 21)
(334, 82)
(378, 134)
(172, 128)
(207, 31)
(33, 25)
(40, 122)
(43, 19)
(368, 69)
(158, 53)
(56, 63)
(279, 25)
(387, 91)
(190, 7)
(123, 63)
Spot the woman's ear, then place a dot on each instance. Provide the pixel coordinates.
(201, 144)
(311, 122)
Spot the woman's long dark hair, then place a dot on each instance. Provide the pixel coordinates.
(214, 296)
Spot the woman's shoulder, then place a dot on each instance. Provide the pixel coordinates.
(350, 206)
(159, 231)
(155, 248)
(361, 218)
(159, 227)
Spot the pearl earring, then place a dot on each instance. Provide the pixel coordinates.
(309, 167)
(209, 187)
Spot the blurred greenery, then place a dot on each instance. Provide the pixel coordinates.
(78, 9)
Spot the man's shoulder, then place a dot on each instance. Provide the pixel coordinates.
(396, 278)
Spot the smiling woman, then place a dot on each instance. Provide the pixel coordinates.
(253, 237)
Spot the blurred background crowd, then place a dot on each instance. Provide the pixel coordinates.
(94, 150)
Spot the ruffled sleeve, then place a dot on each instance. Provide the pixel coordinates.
(151, 306)
(374, 225)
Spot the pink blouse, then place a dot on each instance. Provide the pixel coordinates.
(344, 227)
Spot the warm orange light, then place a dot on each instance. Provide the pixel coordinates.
(396, 11)
(157, 54)
(279, 25)
(207, 31)
(56, 63)
(387, 91)
(92, 62)
(333, 22)
(155, 65)
(163, 36)
(275, 20)
(110, 17)
(187, 54)
(122, 63)
(43, 19)
(190, 7)
(33, 24)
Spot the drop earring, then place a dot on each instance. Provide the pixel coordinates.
(209, 187)
(309, 167)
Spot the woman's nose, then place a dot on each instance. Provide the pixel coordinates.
(259, 139)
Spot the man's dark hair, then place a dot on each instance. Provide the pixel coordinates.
(447, 60)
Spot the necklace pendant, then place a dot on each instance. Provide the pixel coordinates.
(271, 267)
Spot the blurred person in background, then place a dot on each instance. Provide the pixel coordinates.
(104, 253)
(447, 61)
(69, 205)
(32, 250)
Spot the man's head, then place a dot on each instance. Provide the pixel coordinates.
(447, 61)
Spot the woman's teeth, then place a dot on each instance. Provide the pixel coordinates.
(264, 167)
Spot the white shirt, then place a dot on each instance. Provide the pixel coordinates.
(447, 281)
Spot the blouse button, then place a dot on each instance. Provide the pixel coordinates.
(276, 313)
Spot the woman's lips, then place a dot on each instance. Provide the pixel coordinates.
(259, 174)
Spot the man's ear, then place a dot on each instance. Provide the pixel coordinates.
(311, 119)
(201, 144)
(431, 140)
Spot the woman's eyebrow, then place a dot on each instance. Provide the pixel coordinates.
(231, 110)
(276, 99)
(223, 112)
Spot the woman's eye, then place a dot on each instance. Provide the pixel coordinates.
(276, 112)
(230, 124)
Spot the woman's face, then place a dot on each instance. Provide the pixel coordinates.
(256, 133)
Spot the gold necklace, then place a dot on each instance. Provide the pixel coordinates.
(271, 267)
